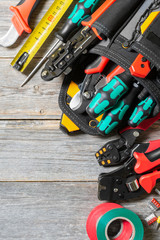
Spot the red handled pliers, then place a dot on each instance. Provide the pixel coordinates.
(138, 176)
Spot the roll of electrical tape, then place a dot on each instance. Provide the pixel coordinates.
(101, 218)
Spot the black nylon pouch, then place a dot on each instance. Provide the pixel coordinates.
(113, 19)
(83, 121)
(149, 44)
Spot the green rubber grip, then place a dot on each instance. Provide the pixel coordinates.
(142, 111)
(113, 118)
(81, 11)
(107, 97)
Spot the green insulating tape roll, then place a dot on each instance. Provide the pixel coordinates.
(118, 214)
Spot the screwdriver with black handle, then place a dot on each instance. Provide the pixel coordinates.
(82, 10)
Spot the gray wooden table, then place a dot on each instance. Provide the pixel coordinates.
(47, 179)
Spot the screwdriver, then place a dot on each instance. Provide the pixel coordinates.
(82, 10)
(113, 118)
(108, 96)
(142, 111)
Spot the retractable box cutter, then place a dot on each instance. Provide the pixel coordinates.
(100, 26)
(20, 21)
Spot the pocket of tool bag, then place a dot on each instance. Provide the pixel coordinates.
(149, 42)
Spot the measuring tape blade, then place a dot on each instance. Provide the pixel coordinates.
(40, 34)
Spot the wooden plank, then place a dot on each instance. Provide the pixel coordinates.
(37, 100)
(39, 151)
(54, 211)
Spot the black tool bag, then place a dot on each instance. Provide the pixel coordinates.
(140, 37)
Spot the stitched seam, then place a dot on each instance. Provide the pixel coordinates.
(102, 28)
(120, 57)
(147, 54)
(147, 49)
(74, 116)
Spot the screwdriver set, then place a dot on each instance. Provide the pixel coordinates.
(110, 59)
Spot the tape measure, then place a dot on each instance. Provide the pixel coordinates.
(40, 34)
(106, 215)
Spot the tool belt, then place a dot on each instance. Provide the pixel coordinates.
(140, 36)
(135, 49)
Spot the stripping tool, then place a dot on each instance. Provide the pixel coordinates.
(118, 151)
(95, 29)
(20, 21)
(138, 176)
(82, 10)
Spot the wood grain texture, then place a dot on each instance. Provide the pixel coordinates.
(54, 211)
(39, 151)
(47, 179)
(38, 100)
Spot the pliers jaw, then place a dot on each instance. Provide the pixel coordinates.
(120, 184)
(118, 151)
(138, 176)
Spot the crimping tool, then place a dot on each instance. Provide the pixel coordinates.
(120, 150)
(138, 176)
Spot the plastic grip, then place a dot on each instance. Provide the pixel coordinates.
(22, 13)
(144, 125)
(142, 111)
(148, 181)
(146, 162)
(98, 66)
(107, 97)
(81, 11)
(111, 119)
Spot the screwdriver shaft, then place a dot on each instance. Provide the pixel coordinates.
(41, 62)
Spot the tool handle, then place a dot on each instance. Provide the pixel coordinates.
(82, 10)
(102, 21)
(114, 117)
(22, 14)
(148, 181)
(97, 66)
(147, 161)
(109, 95)
(142, 126)
(141, 112)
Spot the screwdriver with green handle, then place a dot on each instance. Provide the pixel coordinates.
(109, 95)
(142, 111)
(82, 10)
(114, 100)
(113, 118)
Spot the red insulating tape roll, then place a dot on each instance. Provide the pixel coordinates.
(97, 213)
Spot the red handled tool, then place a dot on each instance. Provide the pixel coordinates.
(100, 26)
(135, 178)
(120, 150)
(20, 21)
(88, 88)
